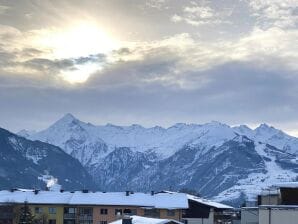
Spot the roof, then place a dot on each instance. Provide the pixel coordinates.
(208, 202)
(270, 192)
(160, 200)
(279, 207)
(287, 185)
(145, 220)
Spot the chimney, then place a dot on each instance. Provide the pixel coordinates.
(127, 220)
(152, 193)
(127, 193)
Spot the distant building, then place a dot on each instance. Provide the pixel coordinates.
(250, 215)
(278, 204)
(278, 214)
(84, 207)
(203, 211)
(6, 213)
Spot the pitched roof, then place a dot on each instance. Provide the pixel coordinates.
(164, 200)
(208, 202)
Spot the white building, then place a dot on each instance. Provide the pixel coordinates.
(282, 214)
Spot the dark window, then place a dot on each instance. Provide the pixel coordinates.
(129, 211)
(103, 222)
(86, 211)
(52, 221)
(69, 210)
(103, 211)
(52, 210)
(170, 212)
(38, 210)
(118, 211)
(155, 213)
(69, 221)
(133, 212)
(85, 222)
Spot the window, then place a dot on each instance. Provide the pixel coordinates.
(103, 222)
(86, 211)
(129, 211)
(52, 210)
(38, 210)
(85, 222)
(52, 221)
(118, 211)
(155, 213)
(170, 212)
(69, 210)
(126, 211)
(103, 211)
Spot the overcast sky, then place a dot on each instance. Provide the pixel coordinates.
(151, 62)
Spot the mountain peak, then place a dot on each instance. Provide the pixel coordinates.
(68, 116)
(66, 120)
(265, 128)
(267, 131)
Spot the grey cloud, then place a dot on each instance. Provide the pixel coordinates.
(237, 93)
(31, 52)
(54, 66)
(161, 88)
(98, 58)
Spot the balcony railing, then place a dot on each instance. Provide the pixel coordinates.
(69, 216)
(85, 217)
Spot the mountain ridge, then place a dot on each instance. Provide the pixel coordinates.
(139, 158)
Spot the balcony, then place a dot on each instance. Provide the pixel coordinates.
(69, 215)
(85, 217)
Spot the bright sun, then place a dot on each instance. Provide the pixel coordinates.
(78, 40)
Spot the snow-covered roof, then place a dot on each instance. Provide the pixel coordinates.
(161, 200)
(208, 202)
(287, 185)
(279, 207)
(145, 220)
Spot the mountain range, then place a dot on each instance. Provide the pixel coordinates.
(225, 163)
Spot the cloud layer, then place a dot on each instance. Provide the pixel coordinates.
(175, 61)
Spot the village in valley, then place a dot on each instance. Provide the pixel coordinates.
(275, 205)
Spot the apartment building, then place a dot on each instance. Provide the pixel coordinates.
(84, 207)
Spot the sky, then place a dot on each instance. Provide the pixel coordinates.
(149, 62)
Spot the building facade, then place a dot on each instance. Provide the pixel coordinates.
(90, 207)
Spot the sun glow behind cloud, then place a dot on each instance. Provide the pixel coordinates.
(81, 73)
(78, 40)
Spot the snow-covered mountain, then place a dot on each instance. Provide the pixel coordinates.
(25, 164)
(215, 159)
